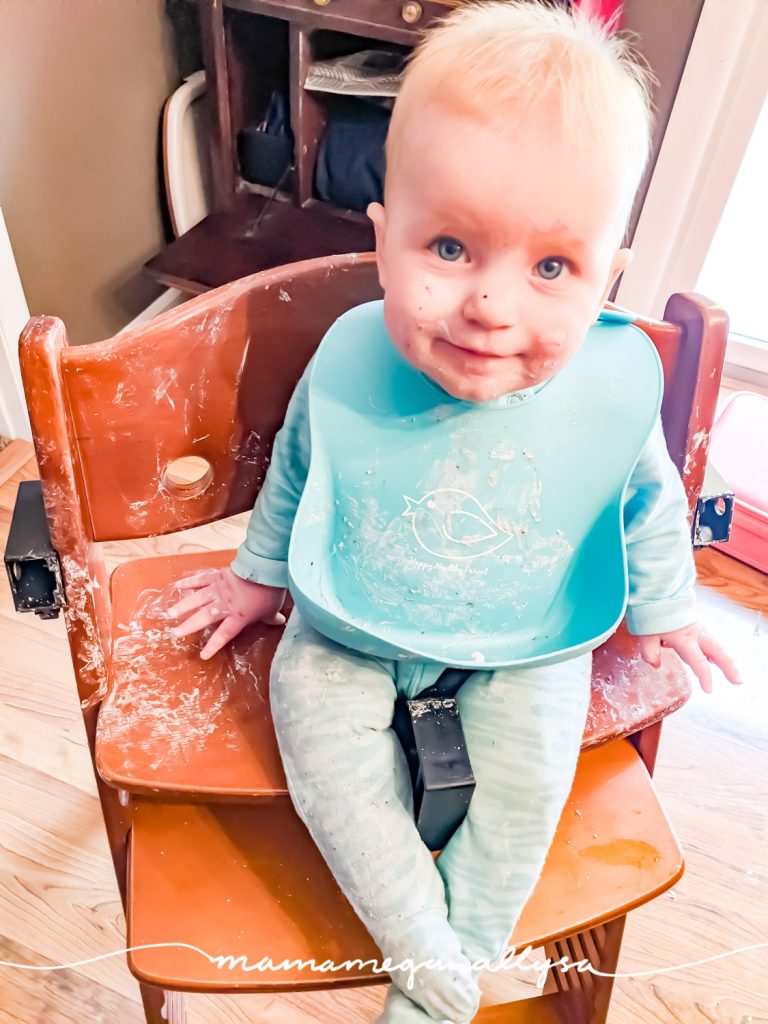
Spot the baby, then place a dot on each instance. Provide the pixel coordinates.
(514, 152)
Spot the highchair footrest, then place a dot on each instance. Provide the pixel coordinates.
(229, 880)
(241, 881)
(571, 1007)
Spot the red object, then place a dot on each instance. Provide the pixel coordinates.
(739, 452)
(608, 11)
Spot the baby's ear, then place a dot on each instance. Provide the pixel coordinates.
(379, 218)
(621, 260)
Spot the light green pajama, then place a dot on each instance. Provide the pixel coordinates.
(349, 781)
(347, 773)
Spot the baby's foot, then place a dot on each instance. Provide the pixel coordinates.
(446, 992)
(399, 1009)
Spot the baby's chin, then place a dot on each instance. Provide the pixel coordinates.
(477, 389)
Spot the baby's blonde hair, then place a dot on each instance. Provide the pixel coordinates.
(509, 59)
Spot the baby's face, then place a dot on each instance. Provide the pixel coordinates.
(495, 251)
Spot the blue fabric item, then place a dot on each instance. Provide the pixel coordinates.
(350, 784)
(660, 564)
(473, 534)
(277, 120)
(350, 161)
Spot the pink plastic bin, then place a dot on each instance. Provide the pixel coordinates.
(739, 450)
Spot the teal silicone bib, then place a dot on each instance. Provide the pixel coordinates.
(473, 535)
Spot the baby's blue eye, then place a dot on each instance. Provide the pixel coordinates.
(550, 268)
(449, 249)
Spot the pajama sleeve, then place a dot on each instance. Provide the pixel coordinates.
(263, 555)
(658, 541)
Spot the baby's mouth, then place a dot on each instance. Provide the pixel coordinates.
(473, 352)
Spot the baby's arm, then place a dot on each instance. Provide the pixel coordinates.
(253, 588)
(662, 605)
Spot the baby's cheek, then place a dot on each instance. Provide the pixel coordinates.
(552, 340)
(548, 353)
(429, 298)
(417, 308)
(556, 344)
(408, 333)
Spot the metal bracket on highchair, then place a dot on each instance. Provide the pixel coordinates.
(429, 729)
(714, 510)
(32, 562)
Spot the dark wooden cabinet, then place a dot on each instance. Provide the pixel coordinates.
(251, 49)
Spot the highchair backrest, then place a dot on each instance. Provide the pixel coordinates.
(211, 379)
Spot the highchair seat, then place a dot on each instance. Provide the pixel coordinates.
(173, 723)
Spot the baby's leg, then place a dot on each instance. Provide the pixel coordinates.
(349, 782)
(523, 730)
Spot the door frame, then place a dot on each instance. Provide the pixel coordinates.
(14, 314)
(722, 90)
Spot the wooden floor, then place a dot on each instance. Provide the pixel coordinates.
(59, 904)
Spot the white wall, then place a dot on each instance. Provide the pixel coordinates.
(13, 316)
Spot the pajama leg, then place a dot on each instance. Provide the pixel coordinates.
(523, 729)
(349, 782)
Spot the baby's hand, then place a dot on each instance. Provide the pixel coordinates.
(220, 595)
(696, 648)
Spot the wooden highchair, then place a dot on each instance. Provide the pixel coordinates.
(210, 858)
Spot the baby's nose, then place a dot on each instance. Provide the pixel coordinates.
(493, 308)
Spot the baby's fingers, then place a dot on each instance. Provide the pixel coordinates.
(191, 602)
(650, 650)
(278, 619)
(205, 617)
(693, 656)
(200, 579)
(227, 631)
(718, 656)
